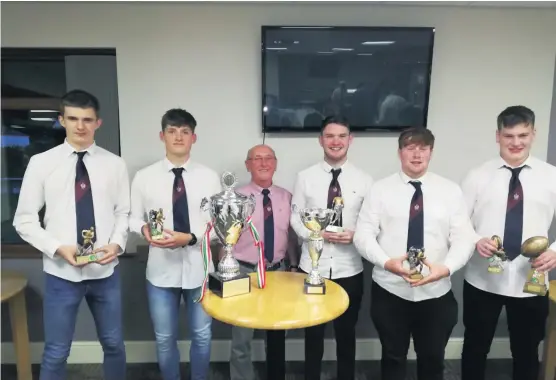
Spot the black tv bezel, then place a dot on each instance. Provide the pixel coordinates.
(370, 129)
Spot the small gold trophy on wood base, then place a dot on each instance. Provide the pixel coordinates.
(85, 253)
(536, 281)
(415, 257)
(496, 261)
(156, 224)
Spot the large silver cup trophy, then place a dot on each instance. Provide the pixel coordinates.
(316, 220)
(229, 211)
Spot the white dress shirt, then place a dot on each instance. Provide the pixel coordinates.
(152, 189)
(311, 190)
(50, 180)
(486, 192)
(382, 230)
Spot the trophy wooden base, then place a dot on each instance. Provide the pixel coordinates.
(334, 229)
(86, 259)
(236, 286)
(314, 289)
(534, 288)
(416, 276)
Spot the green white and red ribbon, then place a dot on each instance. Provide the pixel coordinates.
(206, 254)
(261, 269)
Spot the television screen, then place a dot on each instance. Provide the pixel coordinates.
(378, 77)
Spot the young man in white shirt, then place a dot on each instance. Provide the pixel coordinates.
(419, 209)
(514, 197)
(340, 262)
(83, 187)
(175, 268)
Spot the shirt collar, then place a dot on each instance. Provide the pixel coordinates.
(186, 165)
(259, 190)
(69, 150)
(328, 168)
(530, 162)
(406, 179)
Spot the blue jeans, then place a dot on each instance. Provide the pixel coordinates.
(61, 304)
(164, 304)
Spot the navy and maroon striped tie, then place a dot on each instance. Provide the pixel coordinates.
(84, 209)
(334, 190)
(180, 208)
(268, 227)
(415, 229)
(513, 228)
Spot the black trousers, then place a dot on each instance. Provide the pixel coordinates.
(430, 322)
(344, 331)
(526, 327)
(276, 354)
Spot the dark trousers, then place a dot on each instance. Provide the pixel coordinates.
(344, 331)
(526, 326)
(430, 322)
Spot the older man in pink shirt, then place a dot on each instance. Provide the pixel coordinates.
(272, 220)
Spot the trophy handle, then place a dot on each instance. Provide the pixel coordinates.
(205, 204)
(251, 205)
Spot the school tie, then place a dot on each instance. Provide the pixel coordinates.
(180, 208)
(415, 229)
(268, 227)
(513, 229)
(84, 209)
(334, 190)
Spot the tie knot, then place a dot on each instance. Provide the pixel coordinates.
(416, 184)
(266, 192)
(336, 173)
(80, 155)
(515, 171)
(177, 171)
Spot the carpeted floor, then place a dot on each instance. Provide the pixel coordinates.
(365, 370)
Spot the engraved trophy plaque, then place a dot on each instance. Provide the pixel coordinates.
(85, 252)
(496, 261)
(536, 281)
(156, 224)
(415, 258)
(316, 220)
(230, 213)
(338, 204)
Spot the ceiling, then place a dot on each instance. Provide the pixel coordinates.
(492, 4)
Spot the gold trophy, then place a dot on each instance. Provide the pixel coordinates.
(533, 248)
(156, 224)
(415, 257)
(315, 220)
(85, 253)
(496, 261)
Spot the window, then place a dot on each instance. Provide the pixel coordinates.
(33, 81)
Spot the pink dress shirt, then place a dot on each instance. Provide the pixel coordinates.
(245, 249)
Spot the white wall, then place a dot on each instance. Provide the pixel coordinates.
(206, 58)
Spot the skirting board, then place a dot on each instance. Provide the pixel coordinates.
(86, 352)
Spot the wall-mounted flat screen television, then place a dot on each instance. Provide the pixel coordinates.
(377, 77)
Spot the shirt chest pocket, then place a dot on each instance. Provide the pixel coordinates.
(281, 218)
(353, 200)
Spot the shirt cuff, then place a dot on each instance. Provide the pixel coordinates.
(51, 248)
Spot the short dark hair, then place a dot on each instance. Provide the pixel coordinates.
(79, 99)
(515, 115)
(177, 117)
(335, 119)
(416, 135)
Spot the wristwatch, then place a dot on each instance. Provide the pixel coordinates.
(193, 240)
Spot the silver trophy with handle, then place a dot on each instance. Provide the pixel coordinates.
(316, 220)
(229, 212)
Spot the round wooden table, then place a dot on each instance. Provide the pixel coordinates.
(548, 371)
(282, 305)
(13, 292)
